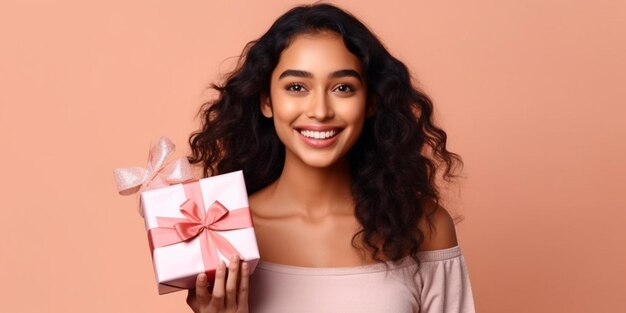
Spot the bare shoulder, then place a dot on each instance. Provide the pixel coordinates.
(438, 228)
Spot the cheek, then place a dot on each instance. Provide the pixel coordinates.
(285, 115)
(284, 107)
(352, 112)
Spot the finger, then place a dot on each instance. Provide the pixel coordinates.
(191, 300)
(203, 297)
(231, 282)
(217, 302)
(244, 285)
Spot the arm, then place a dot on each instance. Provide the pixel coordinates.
(443, 276)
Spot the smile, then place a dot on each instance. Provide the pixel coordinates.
(321, 135)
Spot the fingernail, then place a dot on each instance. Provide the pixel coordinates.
(234, 258)
(202, 277)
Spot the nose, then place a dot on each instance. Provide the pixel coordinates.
(320, 107)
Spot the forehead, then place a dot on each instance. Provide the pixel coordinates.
(318, 53)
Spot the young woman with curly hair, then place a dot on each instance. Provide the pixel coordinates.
(341, 158)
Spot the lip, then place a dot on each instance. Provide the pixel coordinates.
(318, 143)
(320, 128)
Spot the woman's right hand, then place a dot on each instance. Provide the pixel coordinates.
(230, 293)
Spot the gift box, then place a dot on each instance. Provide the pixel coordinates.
(192, 225)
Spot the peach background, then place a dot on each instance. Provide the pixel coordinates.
(530, 92)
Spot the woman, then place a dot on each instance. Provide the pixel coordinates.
(340, 157)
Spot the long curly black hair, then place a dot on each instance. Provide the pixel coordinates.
(396, 162)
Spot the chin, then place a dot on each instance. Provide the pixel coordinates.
(321, 162)
(317, 163)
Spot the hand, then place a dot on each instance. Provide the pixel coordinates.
(230, 294)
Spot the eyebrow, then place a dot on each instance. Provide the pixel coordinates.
(335, 74)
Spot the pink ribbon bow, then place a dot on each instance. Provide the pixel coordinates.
(197, 223)
(158, 173)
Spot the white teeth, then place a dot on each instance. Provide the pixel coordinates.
(318, 134)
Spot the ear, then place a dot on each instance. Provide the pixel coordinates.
(266, 106)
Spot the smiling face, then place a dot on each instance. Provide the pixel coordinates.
(317, 99)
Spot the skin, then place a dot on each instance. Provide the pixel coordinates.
(306, 217)
(309, 210)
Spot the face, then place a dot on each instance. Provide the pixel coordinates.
(317, 99)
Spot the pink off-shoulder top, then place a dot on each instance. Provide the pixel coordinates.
(441, 285)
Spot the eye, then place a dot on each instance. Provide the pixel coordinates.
(344, 88)
(296, 87)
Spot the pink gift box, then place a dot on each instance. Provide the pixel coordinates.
(194, 225)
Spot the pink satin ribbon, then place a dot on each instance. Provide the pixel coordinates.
(197, 223)
(158, 173)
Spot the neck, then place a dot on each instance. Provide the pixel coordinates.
(315, 192)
